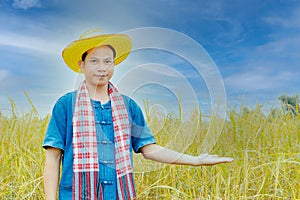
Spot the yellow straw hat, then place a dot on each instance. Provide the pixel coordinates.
(73, 52)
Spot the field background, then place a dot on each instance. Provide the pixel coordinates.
(264, 144)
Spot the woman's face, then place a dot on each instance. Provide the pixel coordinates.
(98, 66)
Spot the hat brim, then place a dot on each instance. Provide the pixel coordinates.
(73, 52)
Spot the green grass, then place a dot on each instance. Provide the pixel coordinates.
(265, 146)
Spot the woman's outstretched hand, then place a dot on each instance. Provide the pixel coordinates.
(165, 155)
(208, 160)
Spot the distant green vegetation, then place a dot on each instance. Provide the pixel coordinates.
(290, 103)
(265, 146)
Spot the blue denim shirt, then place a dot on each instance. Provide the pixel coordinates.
(60, 131)
(106, 148)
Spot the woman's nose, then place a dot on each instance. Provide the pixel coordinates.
(102, 67)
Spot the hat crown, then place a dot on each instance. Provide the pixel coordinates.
(91, 33)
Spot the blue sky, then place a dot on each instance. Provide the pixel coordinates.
(253, 43)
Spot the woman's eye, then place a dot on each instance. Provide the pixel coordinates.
(93, 61)
(108, 62)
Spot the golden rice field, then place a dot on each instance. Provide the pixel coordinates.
(265, 146)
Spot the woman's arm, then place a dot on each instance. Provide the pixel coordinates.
(165, 155)
(51, 172)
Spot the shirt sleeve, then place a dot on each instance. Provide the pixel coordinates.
(56, 132)
(141, 135)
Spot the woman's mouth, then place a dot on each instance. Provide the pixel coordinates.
(100, 75)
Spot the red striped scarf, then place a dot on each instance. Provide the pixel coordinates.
(85, 167)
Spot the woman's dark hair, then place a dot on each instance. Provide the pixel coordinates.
(83, 56)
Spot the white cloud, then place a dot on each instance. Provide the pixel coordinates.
(291, 21)
(27, 4)
(281, 46)
(257, 80)
(8, 80)
(19, 40)
(3, 74)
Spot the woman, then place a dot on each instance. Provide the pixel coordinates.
(94, 129)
